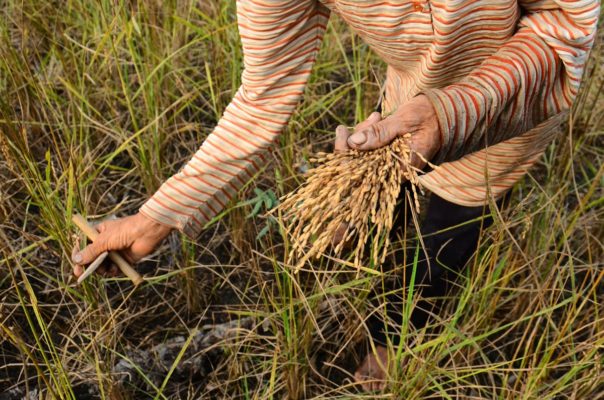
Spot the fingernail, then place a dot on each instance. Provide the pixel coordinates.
(77, 258)
(358, 138)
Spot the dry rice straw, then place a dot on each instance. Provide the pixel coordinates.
(357, 189)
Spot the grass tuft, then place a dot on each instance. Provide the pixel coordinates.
(101, 101)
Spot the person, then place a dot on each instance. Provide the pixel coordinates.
(481, 85)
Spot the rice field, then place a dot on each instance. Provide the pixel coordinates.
(101, 101)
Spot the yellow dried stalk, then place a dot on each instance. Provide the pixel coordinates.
(357, 189)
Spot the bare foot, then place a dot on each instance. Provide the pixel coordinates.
(371, 374)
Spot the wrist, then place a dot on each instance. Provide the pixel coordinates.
(150, 226)
(429, 138)
(434, 134)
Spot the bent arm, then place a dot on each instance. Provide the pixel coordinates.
(534, 76)
(280, 40)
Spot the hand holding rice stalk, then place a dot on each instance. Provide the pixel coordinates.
(354, 189)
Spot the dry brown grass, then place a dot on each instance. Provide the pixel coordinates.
(101, 101)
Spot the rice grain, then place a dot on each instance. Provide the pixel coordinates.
(354, 189)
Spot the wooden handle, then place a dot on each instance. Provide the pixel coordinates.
(91, 232)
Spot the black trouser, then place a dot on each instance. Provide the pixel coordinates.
(448, 251)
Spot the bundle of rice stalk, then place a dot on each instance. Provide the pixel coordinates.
(352, 190)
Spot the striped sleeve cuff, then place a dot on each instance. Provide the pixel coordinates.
(184, 225)
(443, 123)
(459, 111)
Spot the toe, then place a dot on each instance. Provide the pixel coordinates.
(371, 374)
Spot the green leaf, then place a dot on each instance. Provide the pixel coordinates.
(48, 166)
(262, 232)
(274, 199)
(255, 210)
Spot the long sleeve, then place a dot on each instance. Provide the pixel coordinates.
(533, 77)
(280, 40)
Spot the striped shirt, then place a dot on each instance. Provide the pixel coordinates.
(500, 74)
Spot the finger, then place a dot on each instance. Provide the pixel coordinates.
(374, 118)
(101, 226)
(84, 256)
(342, 133)
(93, 267)
(113, 271)
(339, 234)
(341, 144)
(129, 255)
(375, 136)
(76, 247)
(106, 241)
(90, 252)
(108, 269)
(102, 270)
(78, 270)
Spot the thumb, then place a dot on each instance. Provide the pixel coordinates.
(89, 253)
(375, 136)
(105, 241)
(342, 134)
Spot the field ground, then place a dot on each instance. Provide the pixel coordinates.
(101, 101)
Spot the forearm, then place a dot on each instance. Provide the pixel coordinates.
(503, 98)
(534, 76)
(280, 40)
(228, 158)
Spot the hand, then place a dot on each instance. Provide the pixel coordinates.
(416, 117)
(342, 135)
(135, 236)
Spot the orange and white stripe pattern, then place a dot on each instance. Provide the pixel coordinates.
(500, 74)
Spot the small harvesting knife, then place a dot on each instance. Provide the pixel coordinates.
(92, 267)
(121, 263)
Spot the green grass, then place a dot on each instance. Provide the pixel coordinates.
(102, 101)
